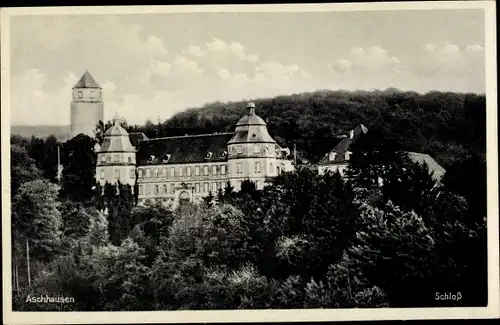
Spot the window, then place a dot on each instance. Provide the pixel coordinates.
(165, 188)
(239, 149)
(271, 167)
(108, 159)
(214, 170)
(238, 168)
(157, 189)
(347, 155)
(181, 169)
(141, 190)
(117, 174)
(116, 158)
(197, 187)
(103, 159)
(239, 185)
(205, 187)
(172, 188)
(164, 172)
(102, 174)
(197, 171)
(257, 167)
(129, 160)
(205, 170)
(80, 94)
(223, 169)
(155, 172)
(172, 172)
(331, 156)
(188, 171)
(148, 190)
(148, 173)
(257, 184)
(256, 149)
(215, 188)
(132, 173)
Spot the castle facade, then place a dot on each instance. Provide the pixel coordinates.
(187, 168)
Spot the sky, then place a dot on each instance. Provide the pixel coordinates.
(152, 66)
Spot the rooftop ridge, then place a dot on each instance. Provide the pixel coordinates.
(190, 136)
(87, 81)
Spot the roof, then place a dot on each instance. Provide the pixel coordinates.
(87, 81)
(342, 147)
(135, 137)
(251, 128)
(116, 139)
(438, 170)
(184, 149)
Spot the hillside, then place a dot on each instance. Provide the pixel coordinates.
(448, 126)
(41, 131)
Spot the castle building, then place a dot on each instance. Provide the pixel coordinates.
(188, 168)
(87, 108)
(116, 157)
(338, 158)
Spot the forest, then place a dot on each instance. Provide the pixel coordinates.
(304, 241)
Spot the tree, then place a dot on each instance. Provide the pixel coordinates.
(119, 202)
(75, 219)
(209, 199)
(98, 229)
(470, 184)
(100, 129)
(23, 168)
(391, 239)
(44, 152)
(79, 161)
(36, 222)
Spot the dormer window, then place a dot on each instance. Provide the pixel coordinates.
(151, 158)
(208, 155)
(332, 155)
(223, 154)
(80, 94)
(166, 158)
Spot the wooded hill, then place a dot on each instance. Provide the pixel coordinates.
(448, 126)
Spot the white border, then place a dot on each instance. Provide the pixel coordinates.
(493, 309)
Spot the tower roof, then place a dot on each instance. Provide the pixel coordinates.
(251, 128)
(87, 81)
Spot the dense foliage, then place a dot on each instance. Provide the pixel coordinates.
(448, 126)
(389, 235)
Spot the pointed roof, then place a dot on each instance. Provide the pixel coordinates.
(87, 81)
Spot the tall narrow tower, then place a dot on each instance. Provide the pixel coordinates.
(87, 108)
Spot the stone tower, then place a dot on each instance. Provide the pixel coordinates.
(252, 153)
(116, 157)
(87, 108)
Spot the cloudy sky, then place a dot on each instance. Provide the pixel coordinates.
(152, 66)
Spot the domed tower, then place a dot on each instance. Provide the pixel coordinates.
(252, 153)
(87, 108)
(116, 157)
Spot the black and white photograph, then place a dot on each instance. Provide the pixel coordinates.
(249, 163)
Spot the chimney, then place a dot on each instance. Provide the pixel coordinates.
(251, 108)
